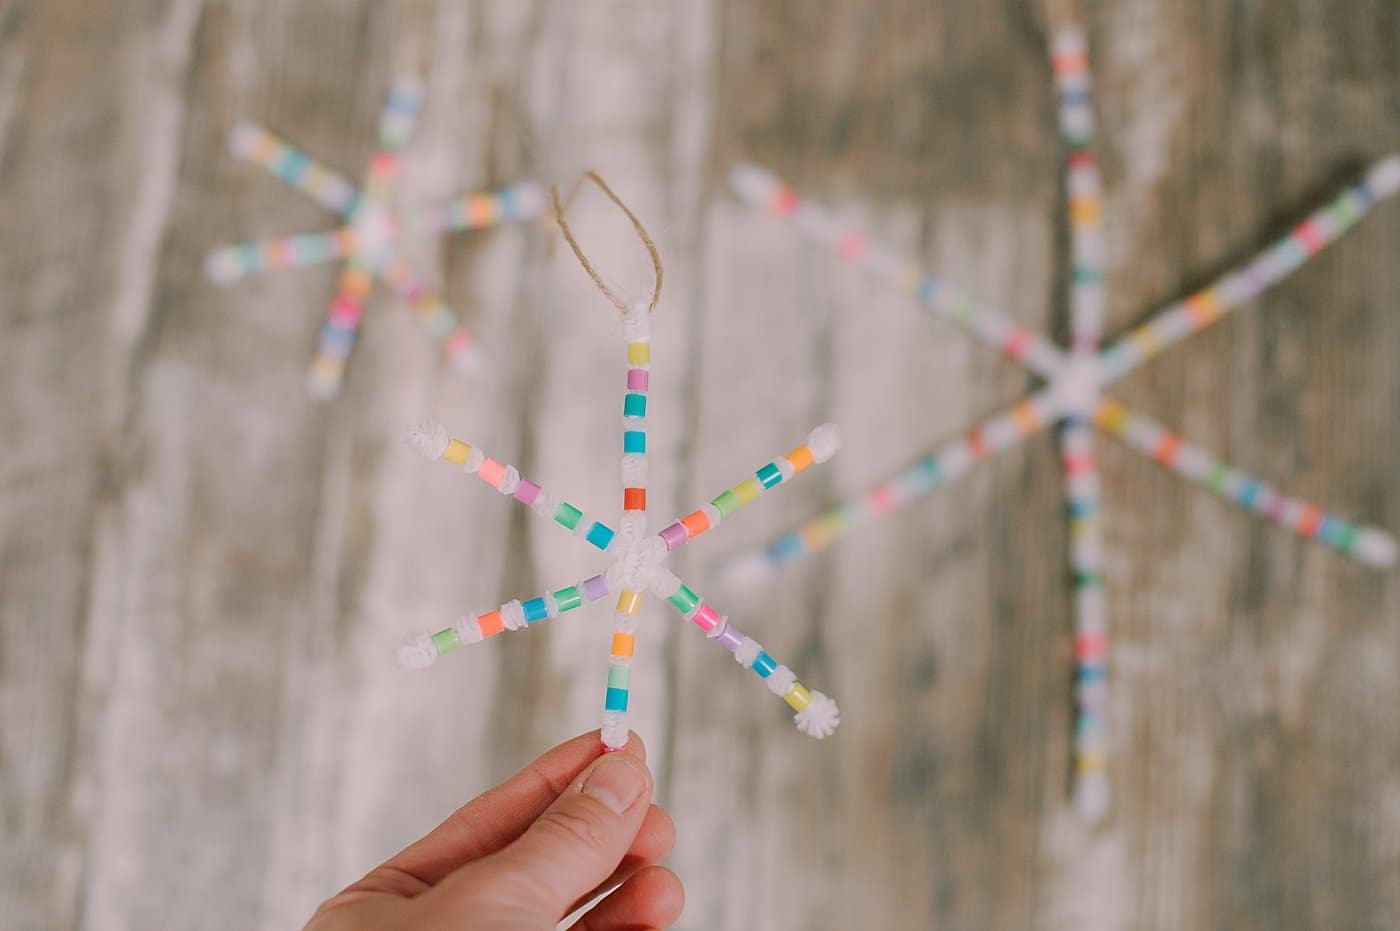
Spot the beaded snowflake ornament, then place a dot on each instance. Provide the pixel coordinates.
(368, 239)
(1073, 397)
(636, 555)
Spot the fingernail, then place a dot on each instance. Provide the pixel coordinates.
(616, 782)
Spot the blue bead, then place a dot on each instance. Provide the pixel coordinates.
(535, 610)
(600, 535)
(764, 665)
(293, 166)
(1081, 508)
(506, 203)
(1091, 674)
(616, 700)
(1249, 493)
(785, 549)
(634, 441)
(769, 475)
(927, 289)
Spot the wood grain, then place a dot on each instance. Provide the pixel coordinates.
(202, 572)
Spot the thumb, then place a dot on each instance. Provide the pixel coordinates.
(568, 851)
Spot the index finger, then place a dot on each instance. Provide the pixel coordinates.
(493, 819)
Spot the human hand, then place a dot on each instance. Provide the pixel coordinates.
(570, 825)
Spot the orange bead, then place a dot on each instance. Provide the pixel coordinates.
(623, 644)
(634, 499)
(491, 624)
(801, 458)
(696, 523)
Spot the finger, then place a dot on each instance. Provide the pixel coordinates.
(571, 848)
(490, 821)
(652, 843)
(654, 898)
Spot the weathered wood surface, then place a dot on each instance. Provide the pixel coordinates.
(202, 572)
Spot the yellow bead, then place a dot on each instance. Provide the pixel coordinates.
(628, 601)
(638, 353)
(1090, 763)
(747, 490)
(457, 452)
(798, 698)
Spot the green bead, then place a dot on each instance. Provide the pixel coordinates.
(685, 600)
(568, 598)
(1215, 481)
(1346, 537)
(619, 676)
(769, 475)
(567, 515)
(727, 503)
(446, 640)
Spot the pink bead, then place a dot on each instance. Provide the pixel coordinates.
(706, 618)
(527, 492)
(638, 379)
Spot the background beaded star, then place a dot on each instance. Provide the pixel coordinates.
(1073, 397)
(367, 242)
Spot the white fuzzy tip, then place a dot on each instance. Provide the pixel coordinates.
(530, 199)
(322, 386)
(1384, 176)
(824, 441)
(223, 266)
(752, 184)
(417, 652)
(1375, 548)
(614, 731)
(820, 718)
(747, 571)
(429, 439)
(1091, 797)
(243, 138)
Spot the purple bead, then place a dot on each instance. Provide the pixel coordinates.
(730, 639)
(595, 588)
(527, 492)
(674, 535)
(638, 379)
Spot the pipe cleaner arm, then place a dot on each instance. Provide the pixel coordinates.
(817, 715)
(295, 168)
(1001, 431)
(432, 312)
(761, 189)
(822, 443)
(434, 443)
(522, 201)
(1245, 282)
(228, 264)
(422, 650)
(338, 333)
(1370, 545)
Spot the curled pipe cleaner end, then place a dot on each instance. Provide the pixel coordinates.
(752, 184)
(223, 266)
(417, 652)
(1384, 176)
(243, 138)
(614, 733)
(820, 718)
(429, 439)
(1091, 796)
(1375, 547)
(824, 441)
(531, 200)
(746, 571)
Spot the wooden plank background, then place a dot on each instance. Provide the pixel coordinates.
(202, 572)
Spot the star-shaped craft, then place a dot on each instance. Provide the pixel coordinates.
(1073, 397)
(369, 238)
(637, 556)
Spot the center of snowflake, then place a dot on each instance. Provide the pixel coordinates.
(374, 230)
(1078, 385)
(638, 558)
